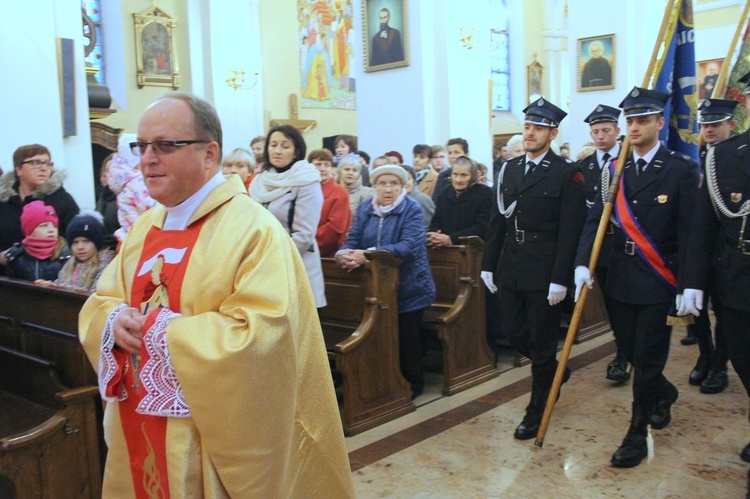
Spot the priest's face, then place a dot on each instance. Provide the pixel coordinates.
(174, 174)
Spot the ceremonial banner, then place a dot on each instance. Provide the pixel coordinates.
(735, 89)
(675, 74)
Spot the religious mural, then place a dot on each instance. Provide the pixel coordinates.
(326, 54)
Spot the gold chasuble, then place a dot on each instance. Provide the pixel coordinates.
(231, 395)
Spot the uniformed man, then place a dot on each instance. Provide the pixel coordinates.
(721, 214)
(652, 210)
(604, 132)
(531, 244)
(710, 372)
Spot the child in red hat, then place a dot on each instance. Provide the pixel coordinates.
(42, 253)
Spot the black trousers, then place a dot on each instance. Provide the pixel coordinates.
(410, 348)
(642, 335)
(736, 325)
(528, 325)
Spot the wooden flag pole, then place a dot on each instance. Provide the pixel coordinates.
(721, 82)
(598, 240)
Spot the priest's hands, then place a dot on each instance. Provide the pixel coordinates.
(127, 328)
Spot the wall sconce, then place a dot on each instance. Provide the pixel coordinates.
(466, 36)
(235, 79)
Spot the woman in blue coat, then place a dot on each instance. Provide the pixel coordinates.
(393, 221)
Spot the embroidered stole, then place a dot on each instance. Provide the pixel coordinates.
(157, 283)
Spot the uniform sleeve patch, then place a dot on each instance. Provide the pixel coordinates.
(578, 177)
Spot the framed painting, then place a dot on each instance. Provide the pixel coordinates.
(534, 73)
(327, 55)
(596, 63)
(707, 73)
(385, 34)
(156, 57)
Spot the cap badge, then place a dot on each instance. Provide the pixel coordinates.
(706, 103)
(635, 93)
(736, 197)
(540, 102)
(86, 227)
(599, 109)
(662, 198)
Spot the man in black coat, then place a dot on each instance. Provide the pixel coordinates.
(604, 132)
(531, 245)
(721, 214)
(653, 211)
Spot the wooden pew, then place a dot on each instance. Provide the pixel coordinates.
(458, 315)
(49, 446)
(360, 326)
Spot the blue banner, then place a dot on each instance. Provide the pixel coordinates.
(675, 75)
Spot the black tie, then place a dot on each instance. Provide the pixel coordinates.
(529, 168)
(605, 158)
(639, 166)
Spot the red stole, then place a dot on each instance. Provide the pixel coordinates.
(165, 253)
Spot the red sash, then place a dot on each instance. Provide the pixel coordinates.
(145, 435)
(644, 246)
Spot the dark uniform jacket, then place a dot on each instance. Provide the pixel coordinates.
(592, 173)
(551, 210)
(731, 266)
(465, 215)
(661, 199)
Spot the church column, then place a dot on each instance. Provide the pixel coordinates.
(224, 43)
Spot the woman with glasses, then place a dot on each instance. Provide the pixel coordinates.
(289, 187)
(33, 178)
(392, 221)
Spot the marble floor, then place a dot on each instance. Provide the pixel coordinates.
(463, 446)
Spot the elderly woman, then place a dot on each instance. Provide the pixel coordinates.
(241, 162)
(289, 187)
(392, 221)
(348, 173)
(463, 208)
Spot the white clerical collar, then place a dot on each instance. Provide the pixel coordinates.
(613, 153)
(179, 216)
(649, 156)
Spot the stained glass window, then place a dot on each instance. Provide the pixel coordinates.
(96, 57)
(499, 55)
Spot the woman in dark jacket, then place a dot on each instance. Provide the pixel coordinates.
(463, 208)
(392, 221)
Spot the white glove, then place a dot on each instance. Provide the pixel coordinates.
(489, 281)
(691, 303)
(556, 294)
(582, 275)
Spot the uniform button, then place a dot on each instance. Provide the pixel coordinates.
(635, 201)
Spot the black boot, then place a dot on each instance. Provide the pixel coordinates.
(689, 339)
(661, 413)
(634, 447)
(542, 382)
(617, 370)
(745, 454)
(716, 381)
(706, 348)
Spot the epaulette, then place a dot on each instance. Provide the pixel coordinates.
(677, 154)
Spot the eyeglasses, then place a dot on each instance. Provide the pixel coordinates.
(38, 163)
(162, 146)
(388, 186)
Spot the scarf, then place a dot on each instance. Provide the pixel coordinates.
(40, 248)
(354, 186)
(270, 185)
(381, 211)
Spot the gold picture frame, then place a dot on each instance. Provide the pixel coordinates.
(385, 48)
(596, 63)
(534, 73)
(155, 52)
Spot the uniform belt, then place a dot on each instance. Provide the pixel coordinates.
(741, 244)
(628, 247)
(524, 236)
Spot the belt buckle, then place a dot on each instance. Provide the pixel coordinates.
(520, 236)
(744, 246)
(630, 248)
